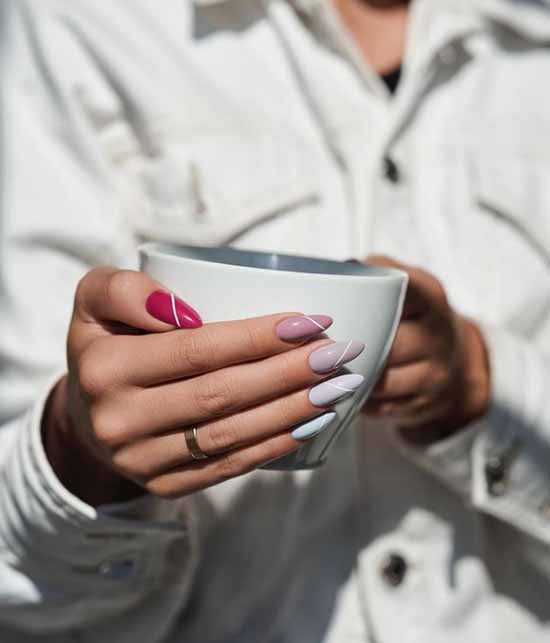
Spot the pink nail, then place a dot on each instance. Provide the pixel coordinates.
(172, 310)
(302, 326)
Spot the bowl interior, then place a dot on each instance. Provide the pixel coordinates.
(268, 260)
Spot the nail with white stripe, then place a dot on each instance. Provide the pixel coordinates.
(168, 308)
(334, 390)
(302, 327)
(327, 358)
(313, 427)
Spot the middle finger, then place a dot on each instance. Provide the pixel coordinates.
(200, 399)
(413, 342)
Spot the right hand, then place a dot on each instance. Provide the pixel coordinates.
(114, 425)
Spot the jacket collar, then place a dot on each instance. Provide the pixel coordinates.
(530, 18)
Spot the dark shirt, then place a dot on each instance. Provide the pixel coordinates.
(392, 79)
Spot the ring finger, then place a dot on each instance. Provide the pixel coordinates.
(403, 381)
(155, 455)
(207, 397)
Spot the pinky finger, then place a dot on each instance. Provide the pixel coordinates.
(206, 473)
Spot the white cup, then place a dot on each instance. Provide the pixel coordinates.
(224, 283)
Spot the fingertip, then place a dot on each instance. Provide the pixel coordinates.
(167, 307)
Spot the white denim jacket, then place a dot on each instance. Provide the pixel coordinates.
(256, 122)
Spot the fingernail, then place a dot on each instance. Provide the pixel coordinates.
(327, 358)
(313, 427)
(329, 392)
(172, 310)
(302, 326)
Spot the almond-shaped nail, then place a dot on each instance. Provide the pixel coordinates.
(333, 390)
(172, 310)
(302, 326)
(327, 358)
(313, 427)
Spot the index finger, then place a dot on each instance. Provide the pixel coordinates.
(423, 291)
(178, 354)
(425, 294)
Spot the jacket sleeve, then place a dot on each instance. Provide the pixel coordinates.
(501, 463)
(63, 565)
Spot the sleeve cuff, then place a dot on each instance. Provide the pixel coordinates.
(145, 514)
(94, 561)
(511, 456)
(448, 459)
(502, 461)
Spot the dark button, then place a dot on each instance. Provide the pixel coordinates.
(394, 569)
(544, 509)
(117, 569)
(391, 171)
(495, 476)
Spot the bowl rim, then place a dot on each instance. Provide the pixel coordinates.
(161, 249)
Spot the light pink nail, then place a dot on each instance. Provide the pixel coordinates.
(302, 326)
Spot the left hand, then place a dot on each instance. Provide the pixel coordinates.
(437, 376)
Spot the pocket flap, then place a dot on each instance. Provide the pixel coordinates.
(516, 188)
(210, 189)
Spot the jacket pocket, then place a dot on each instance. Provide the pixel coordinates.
(511, 225)
(209, 187)
(515, 189)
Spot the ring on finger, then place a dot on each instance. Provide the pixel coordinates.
(192, 442)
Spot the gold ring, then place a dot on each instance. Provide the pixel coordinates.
(193, 444)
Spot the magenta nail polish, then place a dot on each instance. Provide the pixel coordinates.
(172, 310)
(302, 326)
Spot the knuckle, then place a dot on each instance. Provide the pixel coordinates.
(232, 465)
(93, 374)
(162, 487)
(224, 435)
(109, 433)
(253, 339)
(213, 396)
(438, 290)
(287, 411)
(81, 287)
(439, 377)
(83, 284)
(195, 350)
(99, 367)
(106, 433)
(123, 462)
(118, 284)
(285, 379)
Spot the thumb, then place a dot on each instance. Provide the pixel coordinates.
(110, 298)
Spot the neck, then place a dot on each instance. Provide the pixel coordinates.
(379, 27)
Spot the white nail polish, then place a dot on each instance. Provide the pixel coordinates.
(313, 427)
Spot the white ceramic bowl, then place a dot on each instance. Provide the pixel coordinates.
(224, 283)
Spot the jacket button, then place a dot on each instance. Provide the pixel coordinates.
(495, 476)
(118, 569)
(393, 569)
(544, 509)
(391, 171)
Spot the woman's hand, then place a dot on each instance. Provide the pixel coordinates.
(115, 424)
(437, 376)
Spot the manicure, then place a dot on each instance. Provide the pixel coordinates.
(327, 358)
(313, 427)
(172, 310)
(335, 389)
(302, 326)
